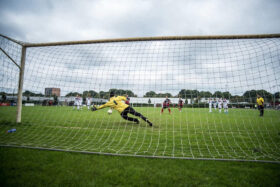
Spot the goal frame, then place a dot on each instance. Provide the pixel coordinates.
(26, 45)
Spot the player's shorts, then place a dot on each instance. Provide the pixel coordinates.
(165, 106)
(180, 106)
(260, 107)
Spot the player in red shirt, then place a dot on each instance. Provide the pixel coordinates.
(166, 104)
(180, 104)
(127, 100)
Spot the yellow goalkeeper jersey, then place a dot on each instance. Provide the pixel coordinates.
(260, 101)
(115, 103)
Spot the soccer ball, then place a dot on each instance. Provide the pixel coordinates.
(110, 111)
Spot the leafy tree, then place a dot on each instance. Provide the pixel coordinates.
(149, 101)
(29, 93)
(251, 95)
(150, 94)
(226, 95)
(90, 93)
(189, 93)
(72, 94)
(163, 95)
(277, 95)
(205, 94)
(218, 94)
(122, 92)
(104, 95)
(130, 93)
(237, 98)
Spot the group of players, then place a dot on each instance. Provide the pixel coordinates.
(165, 105)
(222, 103)
(78, 102)
(122, 105)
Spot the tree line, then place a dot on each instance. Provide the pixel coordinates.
(248, 96)
(102, 94)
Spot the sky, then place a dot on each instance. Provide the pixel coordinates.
(61, 20)
(161, 66)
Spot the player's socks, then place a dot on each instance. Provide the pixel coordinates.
(162, 110)
(169, 111)
(150, 123)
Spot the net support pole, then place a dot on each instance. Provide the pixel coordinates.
(20, 84)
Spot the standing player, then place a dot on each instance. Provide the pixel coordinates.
(260, 103)
(77, 102)
(80, 102)
(220, 105)
(210, 104)
(88, 102)
(165, 105)
(225, 105)
(180, 104)
(117, 104)
(65, 102)
(215, 103)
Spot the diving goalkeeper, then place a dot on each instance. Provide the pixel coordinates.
(124, 109)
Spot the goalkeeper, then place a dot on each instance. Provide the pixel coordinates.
(124, 109)
(260, 103)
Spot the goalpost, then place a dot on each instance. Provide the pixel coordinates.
(198, 69)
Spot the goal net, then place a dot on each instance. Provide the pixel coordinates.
(217, 79)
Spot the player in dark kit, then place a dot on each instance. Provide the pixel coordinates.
(260, 103)
(166, 104)
(180, 104)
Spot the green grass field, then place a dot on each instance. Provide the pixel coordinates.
(26, 167)
(193, 133)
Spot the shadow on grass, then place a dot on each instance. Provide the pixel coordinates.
(13, 123)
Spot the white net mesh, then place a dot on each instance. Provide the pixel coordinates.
(147, 71)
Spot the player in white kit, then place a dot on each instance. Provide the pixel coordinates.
(77, 102)
(80, 102)
(225, 105)
(215, 104)
(210, 104)
(220, 105)
(88, 102)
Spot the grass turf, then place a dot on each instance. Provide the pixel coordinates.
(51, 168)
(193, 133)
